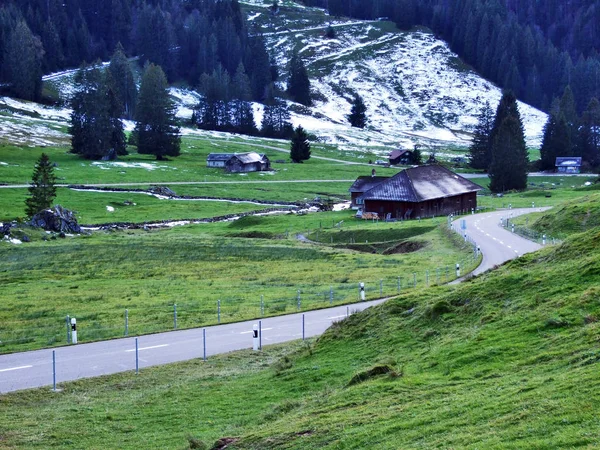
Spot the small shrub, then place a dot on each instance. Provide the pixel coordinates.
(196, 443)
(282, 365)
(556, 322)
(375, 371)
(440, 308)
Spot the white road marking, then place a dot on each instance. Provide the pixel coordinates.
(15, 368)
(148, 348)
(337, 317)
(248, 332)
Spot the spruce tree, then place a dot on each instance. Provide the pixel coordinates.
(124, 82)
(358, 117)
(508, 169)
(156, 130)
(588, 141)
(300, 146)
(480, 151)
(91, 125)
(42, 190)
(556, 141)
(23, 63)
(298, 82)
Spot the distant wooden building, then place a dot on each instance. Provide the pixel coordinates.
(571, 164)
(239, 162)
(218, 159)
(362, 185)
(247, 162)
(422, 191)
(402, 157)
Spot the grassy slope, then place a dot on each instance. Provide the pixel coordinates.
(95, 278)
(508, 360)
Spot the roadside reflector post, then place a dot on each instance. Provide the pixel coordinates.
(303, 335)
(457, 270)
(361, 290)
(137, 359)
(73, 330)
(204, 342)
(544, 239)
(255, 337)
(331, 295)
(68, 330)
(54, 370)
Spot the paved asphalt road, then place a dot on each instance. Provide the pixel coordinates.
(497, 244)
(34, 369)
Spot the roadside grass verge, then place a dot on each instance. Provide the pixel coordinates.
(506, 360)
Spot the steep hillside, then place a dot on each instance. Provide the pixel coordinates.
(416, 90)
(507, 360)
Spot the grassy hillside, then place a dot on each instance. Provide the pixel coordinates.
(507, 360)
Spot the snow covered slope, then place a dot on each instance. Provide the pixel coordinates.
(415, 89)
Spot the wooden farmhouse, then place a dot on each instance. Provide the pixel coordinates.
(362, 185)
(570, 164)
(239, 162)
(423, 191)
(403, 157)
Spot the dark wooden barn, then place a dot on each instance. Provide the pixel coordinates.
(402, 157)
(423, 191)
(247, 162)
(362, 185)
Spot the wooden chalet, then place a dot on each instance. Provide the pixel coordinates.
(239, 162)
(570, 164)
(247, 162)
(403, 157)
(362, 185)
(218, 159)
(423, 191)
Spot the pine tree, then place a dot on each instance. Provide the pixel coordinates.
(42, 190)
(91, 126)
(480, 151)
(508, 169)
(588, 142)
(23, 63)
(156, 130)
(298, 82)
(556, 141)
(124, 82)
(358, 117)
(300, 146)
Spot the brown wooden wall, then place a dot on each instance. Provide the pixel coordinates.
(430, 208)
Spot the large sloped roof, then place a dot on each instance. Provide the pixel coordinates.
(219, 156)
(363, 184)
(397, 153)
(568, 161)
(249, 158)
(421, 183)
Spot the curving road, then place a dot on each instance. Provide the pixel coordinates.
(497, 244)
(34, 369)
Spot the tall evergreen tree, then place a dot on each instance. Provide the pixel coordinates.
(276, 120)
(157, 132)
(298, 83)
(556, 141)
(480, 151)
(508, 169)
(91, 126)
(300, 146)
(42, 190)
(124, 82)
(23, 63)
(588, 142)
(358, 116)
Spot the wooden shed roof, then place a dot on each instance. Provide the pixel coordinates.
(421, 183)
(363, 184)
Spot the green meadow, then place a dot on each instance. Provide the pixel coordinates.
(506, 360)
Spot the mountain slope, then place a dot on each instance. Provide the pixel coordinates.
(416, 90)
